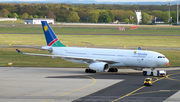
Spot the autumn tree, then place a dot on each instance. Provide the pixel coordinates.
(62, 14)
(73, 17)
(93, 17)
(174, 16)
(82, 14)
(111, 15)
(51, 15)
(25, 15)
(4, 13)
(156, 13)
(127, 15)
(28, 9)
(30, 16)
(164, 16)
(36, 16)
(62, 11)
(15, 15)
(126, 20)
(146, 18)
(105, 18)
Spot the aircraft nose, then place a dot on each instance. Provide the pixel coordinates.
(167, 61)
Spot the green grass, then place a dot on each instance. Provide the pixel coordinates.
(96, 40)
(10, 55)
(173, 56)
(12, 22)
(86, 29)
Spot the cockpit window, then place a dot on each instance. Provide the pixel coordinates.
(161, 57)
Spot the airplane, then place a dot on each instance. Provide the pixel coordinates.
(99, 59)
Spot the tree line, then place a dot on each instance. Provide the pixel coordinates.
(101, 13)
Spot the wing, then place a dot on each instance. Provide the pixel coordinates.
(47, 48)
(86, 59)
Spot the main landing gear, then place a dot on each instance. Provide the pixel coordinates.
(152, 68)
(90, 71)
(93, 71)
(113, 70)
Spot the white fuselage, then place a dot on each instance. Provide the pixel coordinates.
(123, 58)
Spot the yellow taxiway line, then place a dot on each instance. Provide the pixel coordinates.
(94, 81)
(157, 79)
(81, 87)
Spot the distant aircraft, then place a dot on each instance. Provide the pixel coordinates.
(99, 60)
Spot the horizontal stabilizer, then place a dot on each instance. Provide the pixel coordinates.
(19, 51)
(47, 48)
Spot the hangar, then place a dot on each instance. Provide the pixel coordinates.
(38, 20)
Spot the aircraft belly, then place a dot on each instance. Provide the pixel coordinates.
(76, 61)
(117, 65)
(136, 62)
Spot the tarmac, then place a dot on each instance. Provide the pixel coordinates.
(37, 84)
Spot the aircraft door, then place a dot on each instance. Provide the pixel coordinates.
(149, 57)
(148, 60)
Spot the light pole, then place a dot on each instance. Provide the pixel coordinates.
(169, 5)
(177, 13)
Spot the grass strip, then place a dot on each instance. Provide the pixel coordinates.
(90, 30)
(95, 40)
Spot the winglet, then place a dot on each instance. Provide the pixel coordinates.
(19, 51)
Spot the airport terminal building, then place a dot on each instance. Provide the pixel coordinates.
(38, 20)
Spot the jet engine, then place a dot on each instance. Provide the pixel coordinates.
(99, 66)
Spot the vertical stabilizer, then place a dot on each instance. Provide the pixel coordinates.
(50, 36)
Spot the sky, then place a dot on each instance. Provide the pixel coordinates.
(104, 0)
(135, 0)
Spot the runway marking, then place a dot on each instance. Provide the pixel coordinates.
(173, 77)
(81, 87)
(76, 89)
(132, 93)
(165, 90)
(153, 92)
(137, 90)
(172, 74)
(47, 100)
(129, 93)
(157, 79)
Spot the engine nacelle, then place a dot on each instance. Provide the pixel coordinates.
(99, 66)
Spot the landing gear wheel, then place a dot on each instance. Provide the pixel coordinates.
(90, 71)
(110, 70)
(87, 70)
(113, 70)
(151, 74)
(144, 73)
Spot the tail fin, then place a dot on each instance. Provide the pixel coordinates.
(51, 37)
